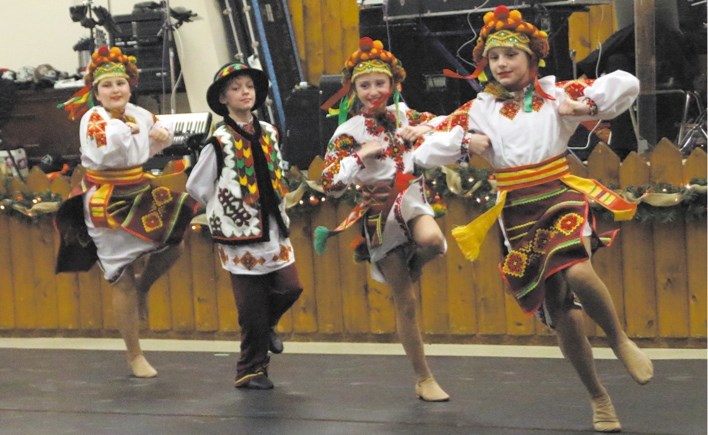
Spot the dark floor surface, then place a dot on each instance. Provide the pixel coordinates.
(90, 392)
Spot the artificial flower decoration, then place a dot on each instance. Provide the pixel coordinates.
(105, 63)
(505, 28)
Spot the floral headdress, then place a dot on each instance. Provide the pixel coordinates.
(105, 63)
(371, 57)
(507, 28)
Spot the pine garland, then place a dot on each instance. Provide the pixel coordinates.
(687, 202)
(30, 207)
(475, 186)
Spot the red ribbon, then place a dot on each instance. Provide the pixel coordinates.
(336, 97)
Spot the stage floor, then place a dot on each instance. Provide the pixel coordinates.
(85, 389)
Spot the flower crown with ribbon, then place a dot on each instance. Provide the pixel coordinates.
(105, 63)
(506, 28)
(371, 57)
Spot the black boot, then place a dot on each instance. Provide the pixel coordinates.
(275, 343)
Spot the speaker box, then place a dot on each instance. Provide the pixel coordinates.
(141, 35)
(329, 85)
(302, 140)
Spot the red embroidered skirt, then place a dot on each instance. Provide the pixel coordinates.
(544, 226)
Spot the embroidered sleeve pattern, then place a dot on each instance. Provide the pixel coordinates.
(575, 89)
(418, 118)
(339, 148)
(96, 130)
(459, 117)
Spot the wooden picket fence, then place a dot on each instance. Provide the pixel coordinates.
(656, 274)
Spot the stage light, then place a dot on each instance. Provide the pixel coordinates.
(435, 83)
(78, 13)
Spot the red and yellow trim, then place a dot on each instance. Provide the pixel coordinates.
(470, 237)
(119, 177)
(532, 175)
(106, 180)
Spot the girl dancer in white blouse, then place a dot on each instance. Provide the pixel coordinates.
(373, 150)
(116, 216)
(521, 125)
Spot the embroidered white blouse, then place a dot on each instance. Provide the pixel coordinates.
(108, 143)
(520, 138)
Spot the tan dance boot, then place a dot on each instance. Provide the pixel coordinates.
(637, 362)
(429, 391)
(604, 417)
(141, 367)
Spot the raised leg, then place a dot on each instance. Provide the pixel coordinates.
(430, 243)
(152, 269)
(597, 302)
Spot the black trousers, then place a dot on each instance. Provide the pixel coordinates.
(261, 300)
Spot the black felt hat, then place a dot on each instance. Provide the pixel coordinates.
(228, 71)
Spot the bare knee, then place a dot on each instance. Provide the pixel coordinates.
(435, 244)
(431, 244)
(427, 235)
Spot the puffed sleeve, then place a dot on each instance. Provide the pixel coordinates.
(446, 143)
(341, 164)
(613, 93)
(201, 183)
(440, 148)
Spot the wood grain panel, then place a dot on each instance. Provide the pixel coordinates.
(462, 300)
(304, 311)
(7, 293)
(695, 167)
(638, 259)
(603, 165)
(670, 253)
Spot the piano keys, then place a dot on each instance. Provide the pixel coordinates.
(191, 130)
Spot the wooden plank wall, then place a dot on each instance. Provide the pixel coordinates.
(655, 272)
(588, 29)
(327, 32)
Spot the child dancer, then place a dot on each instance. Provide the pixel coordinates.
(373, 150)
(116, 215)
(239, 177)
(521, 125)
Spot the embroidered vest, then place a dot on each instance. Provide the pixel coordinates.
(250, 184)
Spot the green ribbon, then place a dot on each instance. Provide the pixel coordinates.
(528, 99)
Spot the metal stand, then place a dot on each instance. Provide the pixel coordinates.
(168, 53)
(229, 11)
